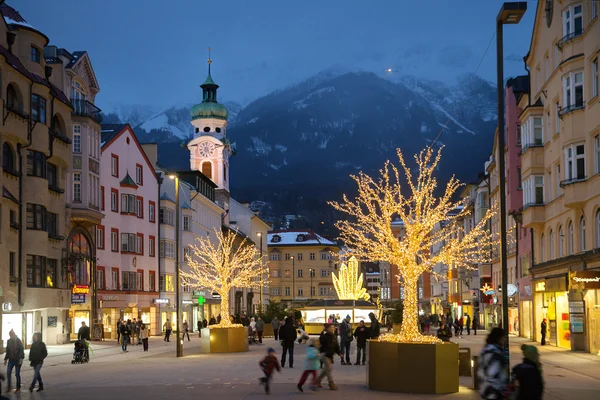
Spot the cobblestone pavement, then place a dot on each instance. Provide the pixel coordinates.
(158, 374)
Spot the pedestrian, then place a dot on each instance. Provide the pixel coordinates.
(186, 330)
(144, 336)
(131, 331)
(544, 330)
(276, 324)
(311, 364)
(475, 324)
(468, 324)
(252, 324)
(260, 327)
(461, 325)
(138, 328)
(375, 329)
(119, 323)
(204, 323)
(13, 357)
(528, 375)
(288, 335)
(37, 354)
(346, 337)
(168, 328)
(125, 332)
(361, 333)
(84, 334)
(444, 333)
(219, 319)
(213, 321)
(268, 365)
(329, 348)
(492, 370)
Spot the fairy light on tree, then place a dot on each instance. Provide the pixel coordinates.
(428, 222)
(348, 283)
(222, 263)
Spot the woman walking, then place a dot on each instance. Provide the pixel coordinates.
(37, 354)
(492, 370)
(144, 336)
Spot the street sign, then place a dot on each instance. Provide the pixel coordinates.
(77, 298)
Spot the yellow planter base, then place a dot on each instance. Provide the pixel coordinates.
(413, 367)
(224, 340)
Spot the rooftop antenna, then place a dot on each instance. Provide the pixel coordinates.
(209, 60)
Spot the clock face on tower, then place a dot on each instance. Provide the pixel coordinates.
(206, 149)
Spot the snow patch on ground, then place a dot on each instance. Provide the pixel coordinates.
(161, 122)
(281, 148)
(253, 120)
(300, 104)
(451, 118)
(259, 146)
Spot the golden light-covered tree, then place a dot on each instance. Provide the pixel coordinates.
(222, 263)
(429, 222)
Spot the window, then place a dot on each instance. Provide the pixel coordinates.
(139, 177)
(187, 223)
(114, 165)
(538, 131)
(36, 217)
(326, 256)
(100, 279)
(41, 272)
(275, 273)
(287, 256)
(312, 291)
(582, 233)
(167, 249)
(13, 219)
(542, 249)
(561, 242)
(169, 284)
(12, 264)
(38, 108)
(539, 189)
(324, 273)
(76, 187)
(166, 216)
(34, 54)
(573, 20)
(76, 138)
(595, 78)
(558, 187)
(575, 161)
(570, 238)
(52, 224)
(151, 212)
(275, 257)
(312, 256)
(114, 239)
(519, 181)
(8, 158)
(287, 273)
(114, 202)
(312, 273)
(519, 135)
(299, 272)
(152, 246)
(139, 247)
(52, 176)
(325, 291)
(186, 254)
(299, 256)
(140, 281)
(533, 191)
(597, 154)
(551, 245)
(275, 291)
(300, 291)
(115, 279)
(162, 283)
(573, 90)
(36, 164)
(102, 197)
(128, 204)
(152, 281)
(287, 291)
(129, 243)
(139, 204)
(549, 187)
(128, 280)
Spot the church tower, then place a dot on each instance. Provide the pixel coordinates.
(210, 149)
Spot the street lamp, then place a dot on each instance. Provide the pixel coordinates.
(293, 281)
(260, 295)
(177, 275)
(510, 13)
(310, 272)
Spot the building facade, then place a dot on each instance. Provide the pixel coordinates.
(560, 158)
(36, 135)
(127, 274)
(300, 266)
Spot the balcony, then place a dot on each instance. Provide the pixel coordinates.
(60, 136)
(83, 108)
(570, 108)
(533, 214)
(575, 192)
(55, 189)
(567, 38)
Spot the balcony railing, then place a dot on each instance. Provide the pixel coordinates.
(567, 38)
(572, 181)
(55, 189)
(60, 136)
(83, 108)
(533, 204)
(530, 146)
(570, 108)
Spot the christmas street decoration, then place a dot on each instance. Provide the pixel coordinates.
(349, 284)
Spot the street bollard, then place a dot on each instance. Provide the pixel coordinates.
(464, 361)
(474, 366)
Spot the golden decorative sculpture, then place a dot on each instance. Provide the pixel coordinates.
(349, 284)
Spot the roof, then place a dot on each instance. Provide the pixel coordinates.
(53, 60)
(109, 131)
(166, 197)
(13, 18)
(209, 81)
(8, 195)
(76, 56)
(128, 181)
(300, 237)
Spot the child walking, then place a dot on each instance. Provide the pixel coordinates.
(268, 365)
(311, 364)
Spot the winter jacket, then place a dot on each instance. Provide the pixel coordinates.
(143, 333)
(375, 329)
(287, 333)
(312, 362)
(125, 330)
(260, 325)
(37, 353)
(345, 332)
(14, 350)
(270, 363)
(361, 334)
(84, 333)
(276, 323)
(330, 345)
(492, 372)
(186, 327)
(531, 383)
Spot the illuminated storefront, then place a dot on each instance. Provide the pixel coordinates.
(585, 309)
(552, 303)
(125, 306)
(526, 308)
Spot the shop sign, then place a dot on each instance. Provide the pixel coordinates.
(81, 289)
(511, 289)
(216, 295)
(7, 307)
(199, 293)
(77, 298)
(186, 302)
(577, 307)
(585, 280)
(161, 301)
(540, 286)
(577, 323)
(110, 298)
(488, 290)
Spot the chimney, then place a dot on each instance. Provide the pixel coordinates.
(48, 72)
(10, 38)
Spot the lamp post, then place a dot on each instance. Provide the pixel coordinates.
(293, 281)
(310, 272)
(260, 295)
(177, 275)
(510, 13)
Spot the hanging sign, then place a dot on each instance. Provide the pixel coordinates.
(77, 298)
(488, 290)
(580, 280)
(511, 289)
(186, 302)
(81, 289)
(161, 301)
(7, 307)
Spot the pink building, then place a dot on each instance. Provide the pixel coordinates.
(127, 242)
(521, 245)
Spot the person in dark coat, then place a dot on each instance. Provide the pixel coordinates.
(288, 335)
(475, 324)
(444, 333)
(212, 321)
(528, 375)
(276, 324)
(346, 336)
(375, 329)
(14, 358)
(329, 348)
(544, 330)
(125, 333)
(468, 324)
(37, 354)
(84, 334)
(361, 333)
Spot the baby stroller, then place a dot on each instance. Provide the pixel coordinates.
(303, 336)
(252, 336)
(80, 354)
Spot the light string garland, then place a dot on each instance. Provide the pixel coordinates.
(349, 284)
(429, 222)
(222, 263)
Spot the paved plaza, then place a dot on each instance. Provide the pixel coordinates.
(158, 374)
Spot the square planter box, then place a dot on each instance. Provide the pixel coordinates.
(413, 367)
(224, 340)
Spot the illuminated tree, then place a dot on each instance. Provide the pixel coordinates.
(429, 222)
(222, 263)
(349, 284)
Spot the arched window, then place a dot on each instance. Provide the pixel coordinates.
(77, 91)
(12, 98)
(570, 238)
(79, 259)
(207, 169)
(57, 125)
(561, 242)
(551, 245)
(598, 228)
(582, 233)
(542, 249)
(8, 158)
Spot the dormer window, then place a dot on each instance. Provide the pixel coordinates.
(35, 54)
(300, 238)
(276, 239)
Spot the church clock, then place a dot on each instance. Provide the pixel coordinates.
(206, 149)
